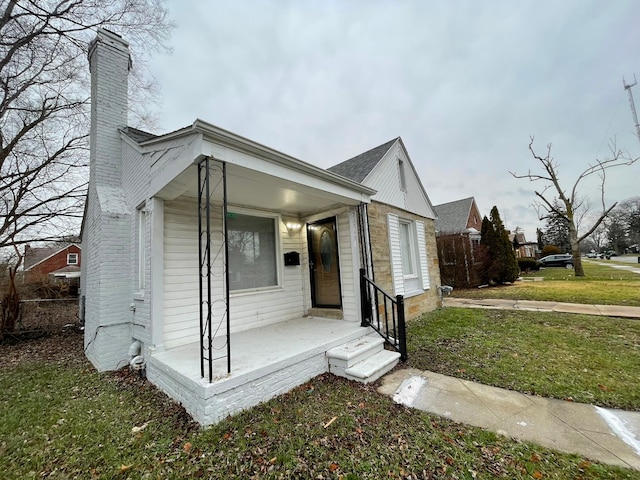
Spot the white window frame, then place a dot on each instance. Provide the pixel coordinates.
(277, 250)
(412, 253)
(74, 256)
(408, 285)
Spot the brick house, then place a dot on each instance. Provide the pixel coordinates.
(458, 228)
(225, 269)
(59, 262)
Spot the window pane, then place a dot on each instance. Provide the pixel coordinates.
(408, 267)
(252, 252)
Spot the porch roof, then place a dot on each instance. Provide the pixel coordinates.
(256, 175)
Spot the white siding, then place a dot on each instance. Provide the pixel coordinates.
(385, 178)
(181, 288)
(348, 283)
(181, 265)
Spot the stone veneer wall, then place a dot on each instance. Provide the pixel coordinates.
(418, 304)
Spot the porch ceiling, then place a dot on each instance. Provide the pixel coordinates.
(255, 189)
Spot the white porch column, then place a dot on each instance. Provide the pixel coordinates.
(157, 272)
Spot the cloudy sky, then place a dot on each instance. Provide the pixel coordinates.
(464, 83)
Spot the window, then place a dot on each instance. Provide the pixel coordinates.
(252, 251)
(142, 251)
(407, 249)
(409, 267)
(403, 178)
(72, 258)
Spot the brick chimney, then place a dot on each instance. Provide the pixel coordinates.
(109, 63)
(106, 233)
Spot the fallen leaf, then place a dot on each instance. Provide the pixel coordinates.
(604, 388)
(124, 468)
(273, 460)
(537, 474)
(187, 447)
(333, 467)
(535, 458)
(140, 428)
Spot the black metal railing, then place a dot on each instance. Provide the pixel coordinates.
(383, 313)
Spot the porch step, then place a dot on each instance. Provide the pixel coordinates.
(363, 360)
(374, 367)
(347, 355)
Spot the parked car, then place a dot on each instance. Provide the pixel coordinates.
(592, 255)
(559, 260)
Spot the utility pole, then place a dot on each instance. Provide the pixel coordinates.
(633, 107)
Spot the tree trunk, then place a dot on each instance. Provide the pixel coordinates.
(575, 250)
(10, 306)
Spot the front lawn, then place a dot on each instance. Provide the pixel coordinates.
(59, 418)
(584, 358)
(602, 285)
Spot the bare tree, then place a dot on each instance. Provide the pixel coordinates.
(569, 203)
(44, 93)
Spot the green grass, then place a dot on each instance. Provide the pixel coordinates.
(602, 285)
(61, 419)
(585, 358)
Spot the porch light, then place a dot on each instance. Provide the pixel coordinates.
(293, 227)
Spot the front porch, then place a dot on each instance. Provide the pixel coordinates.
(265, 362)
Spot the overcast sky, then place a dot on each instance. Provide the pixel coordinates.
(464, 83)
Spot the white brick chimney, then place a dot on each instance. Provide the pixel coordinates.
(109, 63)
(105, 280)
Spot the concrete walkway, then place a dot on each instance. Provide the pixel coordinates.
(605, 435)
(533, 305)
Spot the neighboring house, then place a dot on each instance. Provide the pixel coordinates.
(458, 226)
(401, 225)
(227, 270)
(521, 246)
(57, 263)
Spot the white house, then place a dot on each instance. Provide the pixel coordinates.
(227, 270)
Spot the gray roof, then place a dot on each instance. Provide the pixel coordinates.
(358, 167)
(453, 216)
(136, 135)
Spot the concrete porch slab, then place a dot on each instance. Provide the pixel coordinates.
(265, 362)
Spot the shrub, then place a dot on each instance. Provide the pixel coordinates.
(550, 250)
(527, 263)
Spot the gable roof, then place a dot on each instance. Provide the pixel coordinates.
(35, 256)
(453, 216)
(358, 167)
(136, 135)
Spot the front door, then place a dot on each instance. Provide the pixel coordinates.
(323, 264)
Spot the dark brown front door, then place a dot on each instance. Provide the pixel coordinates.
(323, 264)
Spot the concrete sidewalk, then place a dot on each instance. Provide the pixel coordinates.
(532, 305)
(604, 435)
